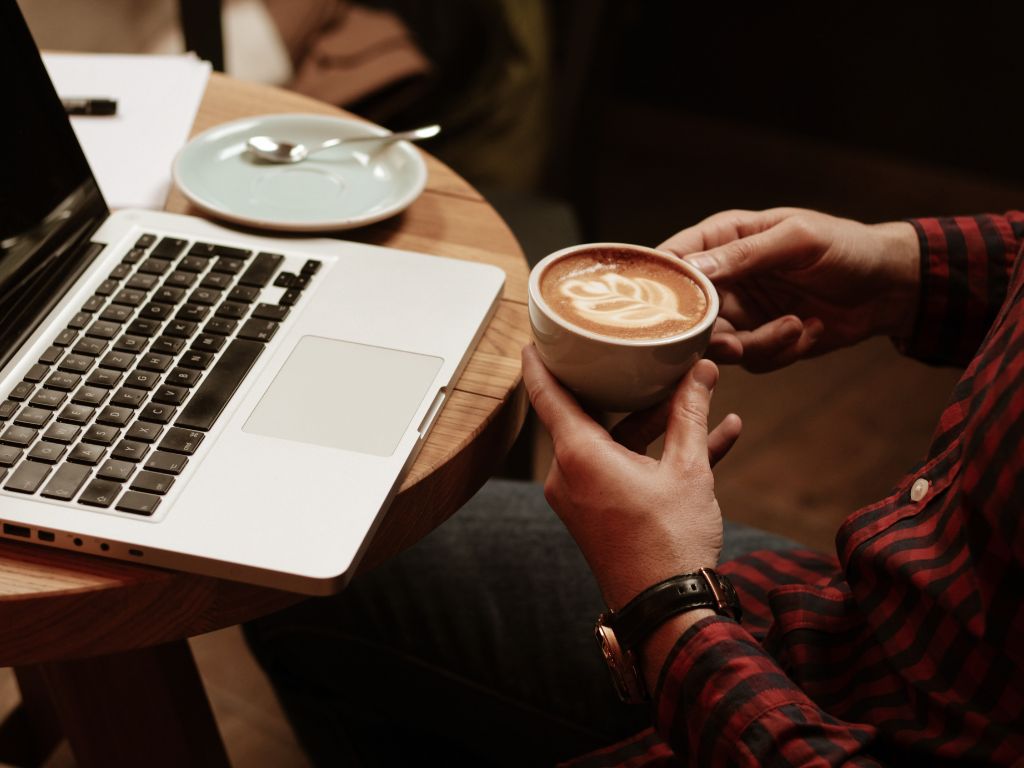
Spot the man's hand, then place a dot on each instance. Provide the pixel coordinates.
(796, 283)
(636, 519)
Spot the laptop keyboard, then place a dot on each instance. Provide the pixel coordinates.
(111, 412)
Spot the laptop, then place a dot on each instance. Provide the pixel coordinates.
(176, 393)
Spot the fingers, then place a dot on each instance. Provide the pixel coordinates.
(779, 343)
(686, 438)
(556, 408)
(638, 430)
(723, 437)
(788, 244)
(722, 228)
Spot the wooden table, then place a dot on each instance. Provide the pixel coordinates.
(100, 646)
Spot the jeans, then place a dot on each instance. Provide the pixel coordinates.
(474, 647)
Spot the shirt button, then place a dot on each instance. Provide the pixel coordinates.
(919, 489)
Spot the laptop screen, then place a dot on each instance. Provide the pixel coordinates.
(49, 201)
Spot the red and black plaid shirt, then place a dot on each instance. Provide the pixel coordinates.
(908, 650)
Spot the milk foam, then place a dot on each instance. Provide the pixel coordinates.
(621, 301)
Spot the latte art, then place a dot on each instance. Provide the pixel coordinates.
(624, 294)
(625, 302)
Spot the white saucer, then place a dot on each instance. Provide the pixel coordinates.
(338, 188)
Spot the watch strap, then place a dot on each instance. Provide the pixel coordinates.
(657, 604)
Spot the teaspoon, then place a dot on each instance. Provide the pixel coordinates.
(281, 151)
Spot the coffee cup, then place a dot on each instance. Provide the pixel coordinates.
(619, 325)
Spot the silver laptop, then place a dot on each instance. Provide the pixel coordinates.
(176, 393)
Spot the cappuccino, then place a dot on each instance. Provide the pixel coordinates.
(623, 294)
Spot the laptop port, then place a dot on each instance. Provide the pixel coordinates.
(45, 536)
(17, 530)
(135, 552)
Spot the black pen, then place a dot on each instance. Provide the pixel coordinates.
(96, 107)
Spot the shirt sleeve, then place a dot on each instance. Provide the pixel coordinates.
(721, 700)
(966, 263)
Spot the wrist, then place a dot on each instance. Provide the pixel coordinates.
(653, 653)
(619, 588)
(899, 288)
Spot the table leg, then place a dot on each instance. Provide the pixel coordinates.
(143, 707)
(31, 732)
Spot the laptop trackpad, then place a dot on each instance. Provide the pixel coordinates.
(344, 395)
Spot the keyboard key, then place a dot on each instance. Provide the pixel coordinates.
(170, 463)
(138, 503)
(221, 326)
(79, 321)
(170, 295)
(183, 377)
(143, 327)
(311, 267)
(51, 355)
(115, 416)
(220, 384)
(181, 329)
(101, 434)
(19, 437)
(289, 297)
(169, 248)
(152, 482)
(91, 347)
(157, 414)
(9, 455)
(232, 310)
(244, 294)
(66, 337)
(142, 282)
(166, 345)
(156, 311)
(37, 373)
(192, 313)
(145, 380)
(270, 312)
(130, 297)
(119, 361)
(76, 363)
(62, 433)
(180, 279)
(143, 432)
(134, 256)
(76, 414)
(154, 266)
(285, 280)
(128, 397)
(258, 330)
(28, 477)
(168, 394)
(196, 360)
(153, 361)
(104, 377)
(216, 280)
(51, 399)
(209, 342)
(145, 241)
(114, 469)
(116, 313)
(63, 380)
(130, 450)
(228, 265)
(206, 249)
(261, 270)
(131, 343)
(100, 493)
(94, 304)
(32, 417)
(120, 272)
(66, 483)
(7, 409)
(102, 329)
(299, 282)
(46, 452)
(89, 396)
(107, 287)
(205, 296)
(179, 440)
(84, 453)
(193, 264)
(22, 390)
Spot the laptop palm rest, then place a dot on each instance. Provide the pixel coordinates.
(340, 394)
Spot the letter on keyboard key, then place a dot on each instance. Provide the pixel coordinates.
(220, 384)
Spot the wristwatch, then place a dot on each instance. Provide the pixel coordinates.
(620, 633)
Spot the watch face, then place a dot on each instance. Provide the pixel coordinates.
(621, 665)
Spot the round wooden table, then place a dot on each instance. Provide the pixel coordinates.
(100, 646)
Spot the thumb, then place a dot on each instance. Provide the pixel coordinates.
(783, 246)
(686, 439)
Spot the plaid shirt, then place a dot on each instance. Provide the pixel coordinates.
(908, 649)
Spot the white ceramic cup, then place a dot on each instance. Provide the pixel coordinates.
(609, 373)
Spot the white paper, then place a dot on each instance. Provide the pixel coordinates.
(157, 99)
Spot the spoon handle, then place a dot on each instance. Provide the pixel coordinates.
(425, 132)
